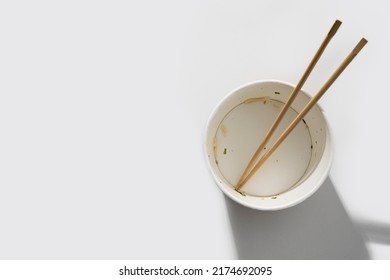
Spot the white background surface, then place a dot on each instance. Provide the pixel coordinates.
(103, 106)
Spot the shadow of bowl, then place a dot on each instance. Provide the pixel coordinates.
(318, 228)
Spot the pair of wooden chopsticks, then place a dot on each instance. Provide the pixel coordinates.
(255, 163)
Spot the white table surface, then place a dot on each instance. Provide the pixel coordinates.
(103, 106)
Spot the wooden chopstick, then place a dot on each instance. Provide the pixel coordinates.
(290, 100)
(306, 109)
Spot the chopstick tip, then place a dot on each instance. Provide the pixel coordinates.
(360, 45)
(335, 27)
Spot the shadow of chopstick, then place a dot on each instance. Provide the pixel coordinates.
(376, 232)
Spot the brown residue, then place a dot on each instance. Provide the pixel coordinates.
(276, 105)
(224, 130)
(215, 145)
(257, 99)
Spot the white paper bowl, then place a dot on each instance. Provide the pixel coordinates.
(235, 130)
